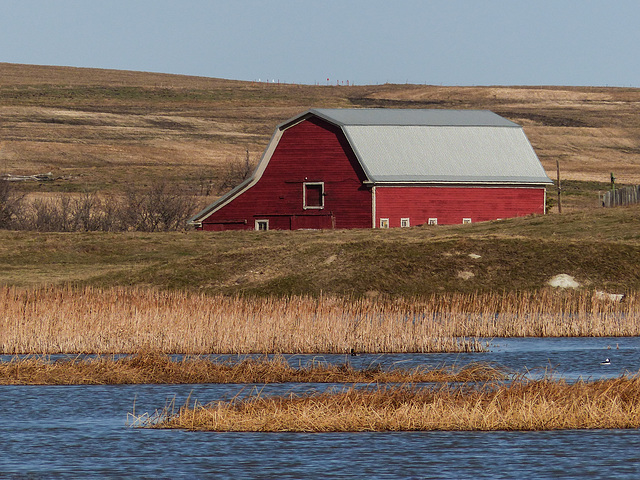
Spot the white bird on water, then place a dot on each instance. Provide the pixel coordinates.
(607, 361)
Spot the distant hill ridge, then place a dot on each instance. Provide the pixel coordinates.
(109, 127)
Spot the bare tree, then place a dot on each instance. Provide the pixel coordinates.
(159, 208)
(236, 172)
(10, 205)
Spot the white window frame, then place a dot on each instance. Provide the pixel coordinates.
(405, 222)
(262, 222)
(304, 196)
(466, 220)
(433, 221)
(384, 223)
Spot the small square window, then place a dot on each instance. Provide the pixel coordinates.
(313, 195)
(433, 221)
(384, 223)
(262, 225)
(404, 222)
(466, 220)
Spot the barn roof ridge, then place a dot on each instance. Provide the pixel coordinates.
(411, 117)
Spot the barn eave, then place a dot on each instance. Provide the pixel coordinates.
(458, 181)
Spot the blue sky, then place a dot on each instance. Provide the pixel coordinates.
(448, 42)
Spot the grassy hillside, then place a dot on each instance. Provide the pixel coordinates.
(601, 250)
(99, 130)
(102, 131)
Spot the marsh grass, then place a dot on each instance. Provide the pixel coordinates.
(54, 320)
(545, 404)
(153, 367)
(120, 320)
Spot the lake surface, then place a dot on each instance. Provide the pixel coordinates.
(61, 432)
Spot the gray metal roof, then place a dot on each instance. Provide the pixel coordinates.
(446, 154)
(448, 146)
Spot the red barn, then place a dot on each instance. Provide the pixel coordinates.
(379, 168)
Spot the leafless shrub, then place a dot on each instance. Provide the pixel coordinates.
(44, 216)
(159, 208)
(205, 182)
(236, 172)
(65, 214)
(110, 220)
(87, 212)
(10, 205)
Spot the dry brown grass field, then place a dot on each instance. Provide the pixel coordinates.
(99, 130)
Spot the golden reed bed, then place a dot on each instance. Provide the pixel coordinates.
(125, 320)
(154, 367)
(522, 405)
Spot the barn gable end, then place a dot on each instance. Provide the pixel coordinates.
(362, 168)
(308, 178)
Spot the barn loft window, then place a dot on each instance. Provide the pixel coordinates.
(384, 223)
(313, 195)
(433, 221)
(404, 222)
(262, 225)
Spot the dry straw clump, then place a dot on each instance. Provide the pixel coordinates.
(52, 320)
(521, 405)
(154, 367)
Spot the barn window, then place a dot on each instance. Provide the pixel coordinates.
(384, 223)
(466, 220)
(262, 225)
(433, 221)
(314, 195)
(404, 222)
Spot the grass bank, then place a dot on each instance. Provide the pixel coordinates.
(522, 405)
(152, 367)
(600, 249)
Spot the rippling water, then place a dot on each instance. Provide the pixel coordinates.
(80, 432)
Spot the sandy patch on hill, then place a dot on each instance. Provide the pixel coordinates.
(563, 280)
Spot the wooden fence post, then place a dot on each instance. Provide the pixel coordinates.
(621, 196)
(559, 187)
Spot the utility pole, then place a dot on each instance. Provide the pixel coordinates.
(559, 186)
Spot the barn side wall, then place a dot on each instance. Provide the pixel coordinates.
(451, 205)
(310, 151)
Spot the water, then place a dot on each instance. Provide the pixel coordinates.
(68, 432)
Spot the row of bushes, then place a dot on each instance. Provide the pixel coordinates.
(158, 208)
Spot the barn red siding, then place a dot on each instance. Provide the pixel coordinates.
(311, 151)
(450, 205)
